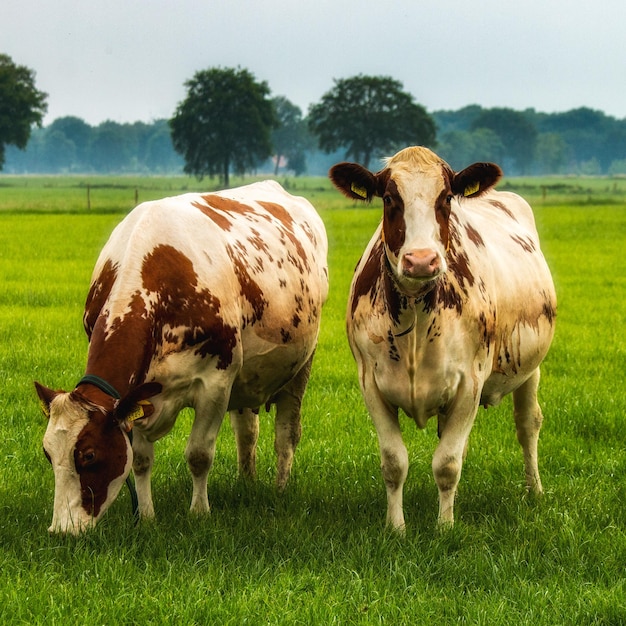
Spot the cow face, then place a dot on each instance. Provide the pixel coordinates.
(418, 190)
(90, 453)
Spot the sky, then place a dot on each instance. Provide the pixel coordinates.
(128, 60)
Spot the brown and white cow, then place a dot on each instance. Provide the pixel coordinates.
(207, 301)
(452, 306)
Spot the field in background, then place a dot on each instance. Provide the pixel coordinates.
(319, 553)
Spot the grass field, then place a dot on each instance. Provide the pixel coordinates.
(319, 554)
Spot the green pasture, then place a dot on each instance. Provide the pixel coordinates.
(319, 554)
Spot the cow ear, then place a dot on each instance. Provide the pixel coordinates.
(354, 181)
(46, 396)
(136, 404)
(476, 179)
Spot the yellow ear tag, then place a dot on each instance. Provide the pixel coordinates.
(45, 408)
(472, 188)
(358, 190)
(136, 413)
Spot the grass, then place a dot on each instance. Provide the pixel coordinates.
(319, 553)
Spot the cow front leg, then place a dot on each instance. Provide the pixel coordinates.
(394, 458)
(287, 425)
(245, 424)
(449, 455)
(200, 452)
(528, 419)
(143, 460)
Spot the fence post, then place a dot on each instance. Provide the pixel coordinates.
(89, 197)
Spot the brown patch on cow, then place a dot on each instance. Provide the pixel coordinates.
(547, 309)
(98, 294)
(458, 261)
(368, 278)
(474, 236)
(445, 295)
(248, 287)
(169, 274)
(121, 348)
(375, 279)
(220, 218)
(394, 226)
(219, 207)
(443, 209)
(487, 326)
(502, 207)
(286, 232)
(526, 243)
(256, 241)
(100, 456)
(279, 212)
(393, 353)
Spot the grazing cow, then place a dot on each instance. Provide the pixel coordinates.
(452, 306)
(206, 301)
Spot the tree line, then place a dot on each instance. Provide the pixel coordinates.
(230, 122)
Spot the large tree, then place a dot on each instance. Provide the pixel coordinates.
(224, 123)
(369, 116)
(21, 104)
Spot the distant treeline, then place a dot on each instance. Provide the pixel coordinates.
(580, 141)
(70, 145)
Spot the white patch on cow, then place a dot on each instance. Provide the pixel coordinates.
(67, 419)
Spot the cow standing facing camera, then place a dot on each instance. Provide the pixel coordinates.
(452, 306)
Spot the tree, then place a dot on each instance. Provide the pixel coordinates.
(552, 151)
(290, 137)
(224, 123)
(21, 104)
(517, 133)
(110, 149)
(369, 115)
(76, 130)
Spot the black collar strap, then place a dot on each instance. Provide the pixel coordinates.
(100, 383)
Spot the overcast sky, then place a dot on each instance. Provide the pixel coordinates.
(128, 60)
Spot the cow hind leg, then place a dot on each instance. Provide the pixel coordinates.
(245, 424)
(143, 460)
(287, 426)
(528, 419)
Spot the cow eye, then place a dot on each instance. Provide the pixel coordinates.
(449, 198)
(87, 457)
(387, 199)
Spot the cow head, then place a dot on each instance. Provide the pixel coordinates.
(418, 189)
(87, 444)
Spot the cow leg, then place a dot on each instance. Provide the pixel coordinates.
(449, 455)
(200, 451)
(287, 425)
(528, 419)
(143, 460)
(394, 460)
(245, 424)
